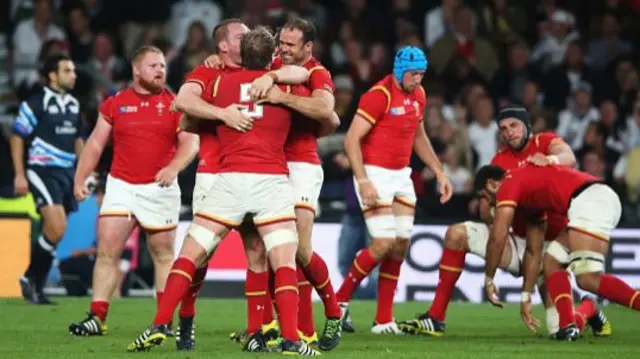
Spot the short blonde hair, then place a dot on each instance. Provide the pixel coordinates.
(139, 54)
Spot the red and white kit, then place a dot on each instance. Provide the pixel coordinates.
(253, 175)
(144, 141)
(386, 149)
(209, 153)
(301, 148)
(478, 232)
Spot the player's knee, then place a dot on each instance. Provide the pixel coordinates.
(381, 247)
(303, 256)
(205, 237)
(456, 237)
(587, 266)
(54, 230)
(400, 248)
(279, 237)
(404, 226)
(382, 226)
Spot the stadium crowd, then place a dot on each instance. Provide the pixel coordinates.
(573, 64)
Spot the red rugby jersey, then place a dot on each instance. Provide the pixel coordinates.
(540, 190)
(395, 116)
(509, 159)
(302, 143)
(260, 150)
(144, 133)
(209, 146)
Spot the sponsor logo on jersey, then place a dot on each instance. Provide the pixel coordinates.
(128, 109)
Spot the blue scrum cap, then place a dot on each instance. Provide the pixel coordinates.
(409, 58)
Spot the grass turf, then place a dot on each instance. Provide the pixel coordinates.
(474, 331)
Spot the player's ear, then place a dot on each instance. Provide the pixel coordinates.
(223, 46)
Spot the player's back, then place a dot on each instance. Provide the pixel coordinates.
(547, 188)
(260, 150)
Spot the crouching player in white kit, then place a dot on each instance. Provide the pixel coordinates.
(253, 181)
(379, 143)
(142, 186)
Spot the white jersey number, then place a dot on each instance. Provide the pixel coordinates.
(253, 110)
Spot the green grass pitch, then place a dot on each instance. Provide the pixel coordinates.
(474, 331)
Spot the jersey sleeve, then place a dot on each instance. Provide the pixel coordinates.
(320, 79)
(373, 105)
(545, 140)
(27, 119)
(509, 193)
(106, 109)
(201, 75)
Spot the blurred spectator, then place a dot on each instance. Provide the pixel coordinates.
(574, 120)
(625, 89)
(609, 45)
(80, 36)
(313, 12)
(460, 177)
(609, 118)
(595, 165)
(595, 141)
(29, 36)
(541, 121)
(509, 81)
(439, 21)
(185, 12)
(562, 80)
(483, 131)
(464, 43)
(108, 67)
(530, 96)
(345, 105)
(505, 23)
(193, 53)
(550, 50)
(631, 136)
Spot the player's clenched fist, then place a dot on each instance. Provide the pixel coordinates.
(236, 118)
(20, 185)
(367, 192)
(166, 176)
(81, 190)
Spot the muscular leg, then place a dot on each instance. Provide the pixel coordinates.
(390, 265)
(160, 245)
(54, 221)
(257, 282)
(281, 244)
(381, 225)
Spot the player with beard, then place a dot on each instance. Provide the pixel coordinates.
(142, 189)
(593, 210)
(305, 172)
(521, 147)
(253, 182)
(51, 122)
(202, 118)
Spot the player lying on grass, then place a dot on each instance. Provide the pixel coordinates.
(521, 147)
(593, 210)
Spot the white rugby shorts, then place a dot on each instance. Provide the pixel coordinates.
(391, 185)
(596, 211)
(204, 184)
(269, 198)
(154, 207)
(306, 180)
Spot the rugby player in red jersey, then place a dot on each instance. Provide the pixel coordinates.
(191, 100)
(252, 181)
(593, 210)
(520, 147)
(386, 129)
(305, 172)
(142, 189)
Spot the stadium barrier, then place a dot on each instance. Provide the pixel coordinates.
(419, 276)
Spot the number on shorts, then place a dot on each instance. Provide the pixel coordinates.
(253, 110)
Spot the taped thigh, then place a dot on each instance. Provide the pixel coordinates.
(583, 262)
(558, 252)
(204, 236)
(279, 237)
(383, 226)
(404, 226)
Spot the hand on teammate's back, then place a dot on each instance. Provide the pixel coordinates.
(214, 61)
(236, 118)
(20, 186)
(274, 95)
(539, 159)
(260, 87)
(166, 176)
